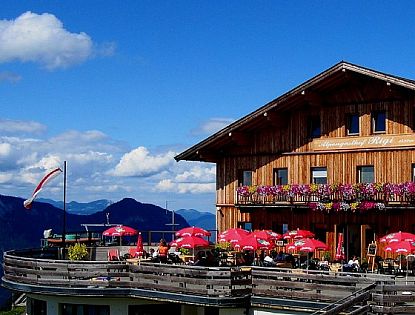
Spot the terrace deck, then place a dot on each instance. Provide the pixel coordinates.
(258, 287)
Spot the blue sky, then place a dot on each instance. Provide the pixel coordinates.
(117, 88)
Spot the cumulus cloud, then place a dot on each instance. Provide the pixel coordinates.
(139, 162)
(99, 167)
(17, 126)
(211, 126)
(5, 149)
(167, 185)
(5, 177)
(197, 173)
(41, 38)
(11, 77)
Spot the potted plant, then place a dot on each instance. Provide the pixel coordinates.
(77, 251)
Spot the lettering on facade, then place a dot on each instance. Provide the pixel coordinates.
(371, 142)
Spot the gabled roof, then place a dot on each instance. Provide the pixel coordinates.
(327, 78)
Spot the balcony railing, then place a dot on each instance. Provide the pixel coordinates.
(330, 196)
(222, 287)
(213, 285)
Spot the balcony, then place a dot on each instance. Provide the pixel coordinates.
(338, 197)
(25, 271)
(222, 287)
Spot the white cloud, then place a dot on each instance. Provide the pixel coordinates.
(17, 126)
(166, 185)
(5, 177)
(197, 173)
(100, 167)
(5, 149)
(211, 126)
(41, 38)
(139, 162)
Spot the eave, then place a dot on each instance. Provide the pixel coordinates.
(306, 92)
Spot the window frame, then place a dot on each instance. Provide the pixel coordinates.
(359, 170)
(314, 126)
(276, 179)
(318, 169)
(242, 179)
(375, 121)
(349, 124)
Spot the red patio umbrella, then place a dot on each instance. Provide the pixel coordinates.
(340, 247)
(402, 247)
(189, 242)
(232, 235)
(120, 230)
(251, 242)
(140, 247)
(193, 231)
(397, 237)
(297, 234)
(266, 234)
(307, 245)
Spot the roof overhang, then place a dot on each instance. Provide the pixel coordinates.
(307, 91)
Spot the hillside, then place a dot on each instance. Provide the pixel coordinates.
(206, 220)
(82, 208)
(23, 228)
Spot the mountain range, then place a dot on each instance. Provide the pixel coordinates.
(22, 228)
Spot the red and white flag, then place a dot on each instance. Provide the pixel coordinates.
(48, 177)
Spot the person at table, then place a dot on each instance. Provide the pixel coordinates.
(163, 251)
(280, 257)
(354, 263)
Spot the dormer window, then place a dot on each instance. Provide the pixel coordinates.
(314, 127)
(379, 121)
(352, 122)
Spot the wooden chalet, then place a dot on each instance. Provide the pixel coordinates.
(335, 154)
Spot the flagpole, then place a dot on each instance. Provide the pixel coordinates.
(64, 209)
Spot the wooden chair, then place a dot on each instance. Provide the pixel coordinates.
(113, 254)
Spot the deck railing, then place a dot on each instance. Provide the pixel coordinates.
(258, 286)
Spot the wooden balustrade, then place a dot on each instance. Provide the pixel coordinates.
(257, 284)
(263, 200)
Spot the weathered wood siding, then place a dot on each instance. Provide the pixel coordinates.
(271, 146)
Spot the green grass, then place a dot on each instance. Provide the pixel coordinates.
(16, 311)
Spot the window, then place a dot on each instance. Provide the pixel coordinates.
(352, 124)
(413, 172)
(281, 176)
(319, 175)
(366, 174)
(245, 225)
(378, 121)
(314, 127)
(36, 307)
(245, 178)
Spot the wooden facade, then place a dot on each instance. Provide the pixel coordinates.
(277, 136)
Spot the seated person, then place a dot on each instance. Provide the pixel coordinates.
(280, 257)
(268, 261)
(354, 263)
(163, 251)
(210, 259)
(200, 259)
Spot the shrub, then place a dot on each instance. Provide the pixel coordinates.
(77, 251)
